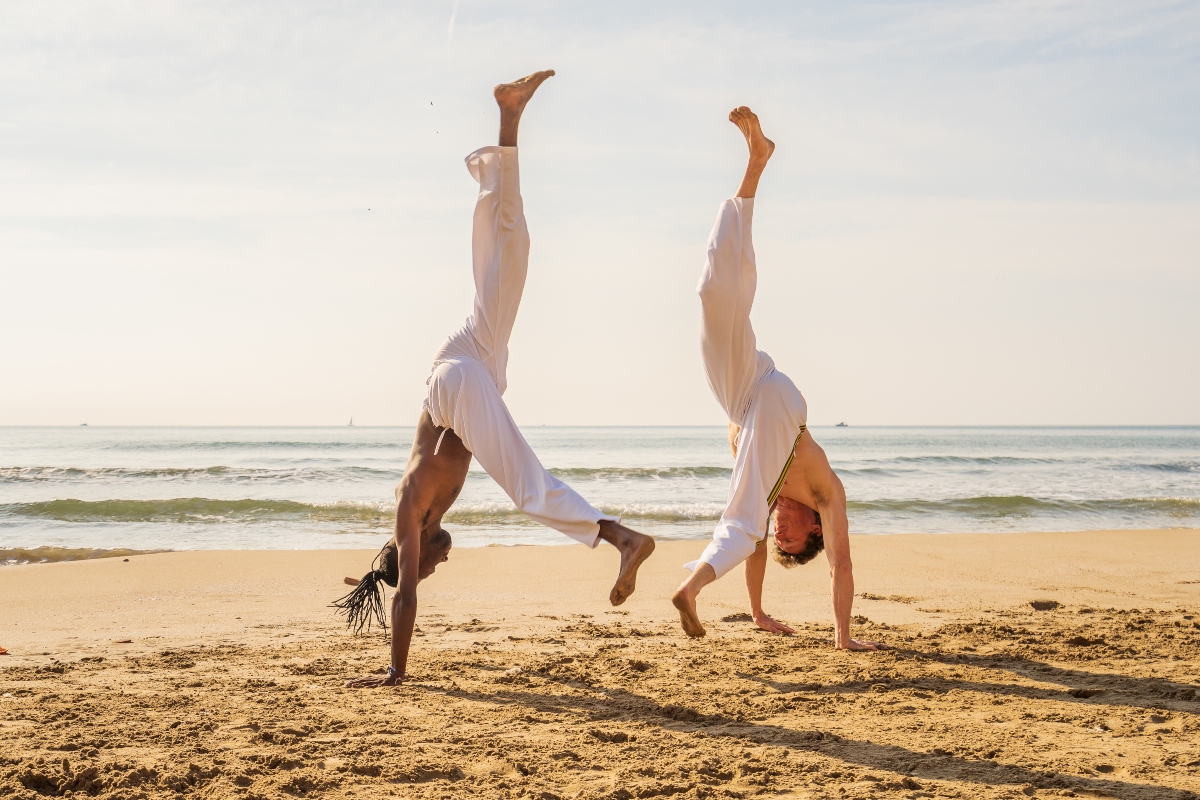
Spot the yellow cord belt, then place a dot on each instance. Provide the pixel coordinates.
(774, 495)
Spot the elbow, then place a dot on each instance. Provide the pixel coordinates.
(405, 599)
(841, 567)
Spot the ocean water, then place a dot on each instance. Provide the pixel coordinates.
(92, 488)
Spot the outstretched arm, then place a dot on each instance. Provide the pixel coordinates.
(404, 601)
(756, 569)
(828, 497)
(836, 530)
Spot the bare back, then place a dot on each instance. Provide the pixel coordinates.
(432, 482)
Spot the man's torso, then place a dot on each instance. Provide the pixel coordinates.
(810, 478)
(437, 477)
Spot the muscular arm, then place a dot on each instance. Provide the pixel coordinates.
(829, 498)
(756, 569)
(836, 530)
(404, 601)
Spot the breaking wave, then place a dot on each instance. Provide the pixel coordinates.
(1019, 506)
(219, 473)
(196, 510)
(201, 510)
(640, 473)
(223, 474)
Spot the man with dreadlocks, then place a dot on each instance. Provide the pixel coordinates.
(778, 468)
(465, 416)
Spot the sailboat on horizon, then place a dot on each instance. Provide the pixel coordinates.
(350, 424)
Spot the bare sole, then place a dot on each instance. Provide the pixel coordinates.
(687, 616)
(627, 580)
(350, 581)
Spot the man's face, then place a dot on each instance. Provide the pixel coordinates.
(431, 555)
(794, 523)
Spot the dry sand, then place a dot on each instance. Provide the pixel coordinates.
(525, 683)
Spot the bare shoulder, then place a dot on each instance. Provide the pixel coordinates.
(813, 464)
(808, 452)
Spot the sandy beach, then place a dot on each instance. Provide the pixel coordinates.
(219, 674)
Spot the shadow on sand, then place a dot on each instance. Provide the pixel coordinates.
(1088, 688)
(621, 705)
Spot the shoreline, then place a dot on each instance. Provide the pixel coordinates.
(20, 556)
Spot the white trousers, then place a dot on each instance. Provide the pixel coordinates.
(469, 371)
(763, 401)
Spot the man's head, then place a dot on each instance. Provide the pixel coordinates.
(435, 549)
(798, 535)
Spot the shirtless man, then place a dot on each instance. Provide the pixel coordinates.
(778, 467)
(465, 416)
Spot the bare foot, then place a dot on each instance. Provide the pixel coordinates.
(687, 613)
(635, 548)
(513, 96)
(761, 147)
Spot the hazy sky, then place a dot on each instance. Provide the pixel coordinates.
(257, 213)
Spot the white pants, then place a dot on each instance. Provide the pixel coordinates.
(469, 371)
(763, 401)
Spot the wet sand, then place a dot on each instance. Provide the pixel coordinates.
(526, 683)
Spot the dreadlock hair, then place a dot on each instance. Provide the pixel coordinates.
(364, 604)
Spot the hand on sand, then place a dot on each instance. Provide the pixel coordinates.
(374, 682)
(762, 620)
(856, 644)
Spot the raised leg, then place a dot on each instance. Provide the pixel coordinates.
(499, 240)
(760, 146)
(635, 548)
(512, 97)
(732, 362)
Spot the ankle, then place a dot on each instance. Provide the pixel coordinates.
(610, 533)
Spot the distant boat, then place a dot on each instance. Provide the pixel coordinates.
(841, 425)
(83, 424)
(350, 424)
